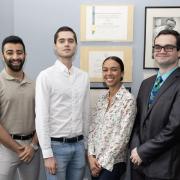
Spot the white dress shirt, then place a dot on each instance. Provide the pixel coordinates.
(62, 104)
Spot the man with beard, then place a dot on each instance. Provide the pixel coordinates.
(18, 140)
(62, 111)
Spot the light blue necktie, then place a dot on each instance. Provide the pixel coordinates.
(155, 89)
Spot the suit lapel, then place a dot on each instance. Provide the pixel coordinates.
(149, 88)
(169, 81)
(146, 95)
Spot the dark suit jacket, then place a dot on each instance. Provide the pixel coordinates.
(157, 129)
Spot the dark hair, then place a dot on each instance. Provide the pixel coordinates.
(14, 40)
(64, 28)
(170, 32)
(118, 60)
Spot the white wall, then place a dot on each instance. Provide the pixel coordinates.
(37, 20)
(6, 18)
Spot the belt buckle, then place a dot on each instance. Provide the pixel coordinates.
(21, 137)
(77, 138)
(12, 135)
(64, 139)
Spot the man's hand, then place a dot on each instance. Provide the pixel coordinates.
(26, 153)
(135, 159)
(95, 167)
(51, 165)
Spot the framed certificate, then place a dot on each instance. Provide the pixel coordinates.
(106, 22)
(92, 58)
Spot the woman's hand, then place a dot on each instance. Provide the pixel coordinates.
(95, 167)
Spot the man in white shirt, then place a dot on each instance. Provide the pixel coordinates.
(62, 104)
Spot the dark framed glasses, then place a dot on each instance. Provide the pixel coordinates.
(167, 48)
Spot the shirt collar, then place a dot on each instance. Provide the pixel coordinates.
(119, 93)
(167, 74)
(63, 68)
(11, 78)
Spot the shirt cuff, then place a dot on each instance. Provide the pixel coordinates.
(91, 151)
(47, 153)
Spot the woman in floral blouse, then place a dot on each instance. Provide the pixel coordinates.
(111, 125)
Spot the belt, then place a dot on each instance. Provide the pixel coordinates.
(22, 137)
(68, 140)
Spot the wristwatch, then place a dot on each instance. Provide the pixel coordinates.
(34, 146)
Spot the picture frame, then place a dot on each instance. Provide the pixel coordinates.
(157, 19)
(92, 57)
(105, 87)
(95, 92)
(107, 22)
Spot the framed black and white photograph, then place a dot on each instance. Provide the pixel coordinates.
(156, 20)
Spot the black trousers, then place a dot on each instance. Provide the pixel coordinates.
(138, 176)
(117, 172)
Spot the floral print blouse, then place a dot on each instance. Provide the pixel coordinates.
(110, 129)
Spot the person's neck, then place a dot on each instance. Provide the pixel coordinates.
(165, 69)
(17, 75)
(112, 93)
(114, 90)
(67, 62)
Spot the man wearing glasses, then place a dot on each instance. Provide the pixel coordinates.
(155, 143)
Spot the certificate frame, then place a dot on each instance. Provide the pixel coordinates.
(156, 19)
(99, 21)
(91, 58)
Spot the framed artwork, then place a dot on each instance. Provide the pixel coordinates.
(106, 22)
(157, 19)
(92, 57)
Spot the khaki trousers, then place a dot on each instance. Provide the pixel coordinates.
(10, 164)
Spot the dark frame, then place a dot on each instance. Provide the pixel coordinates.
(157, 15)
(128, 88)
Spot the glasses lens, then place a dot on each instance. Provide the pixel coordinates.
(167, 48)
(157, 48)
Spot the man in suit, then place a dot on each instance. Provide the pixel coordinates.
(155, 143)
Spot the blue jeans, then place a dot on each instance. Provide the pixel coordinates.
(70, 159)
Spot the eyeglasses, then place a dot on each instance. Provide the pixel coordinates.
(167, 48)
